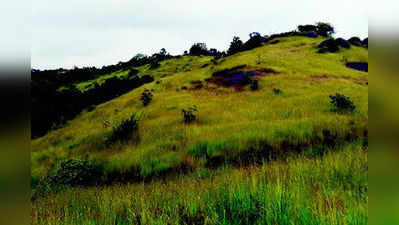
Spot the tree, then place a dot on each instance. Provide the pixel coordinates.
(199, 49)
(307, 28)
(235, 46)
(325, 29)
(255, 40)
(254, 35)
(215, 53)
(163, 52)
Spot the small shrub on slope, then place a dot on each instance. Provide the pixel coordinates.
(189, 115)
(78, 173)
(325, 29)
(154, 65)
(146, 97)
(277, 91)
(341, 103)
(254, 85)
(125, 131)
(73, 172)
(355, 41)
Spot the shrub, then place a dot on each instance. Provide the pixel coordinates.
(76, 172)
(198, 49)
(254, 85)
(355, 41)
(255, 40)
(341, 103)
(325, 29)
(146, 97)
(72, 172)
(189, 115)
(154, 64)
(365, 42)
(277, 91)
(132, 73)
(307, 28)
(126, 130)
(329, 45)
(311, 34)
(235, 46)
(146, 79)
(342, 42)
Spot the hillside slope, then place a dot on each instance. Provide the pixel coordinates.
(227, 117)
(289, 113)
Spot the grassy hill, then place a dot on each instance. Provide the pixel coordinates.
(275, 154)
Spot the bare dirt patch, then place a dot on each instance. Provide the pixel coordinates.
(325, 78)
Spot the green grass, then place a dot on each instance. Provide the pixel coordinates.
(201, 162)
(167, 68)
(322, 190)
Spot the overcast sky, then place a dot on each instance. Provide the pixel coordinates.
(103, 32)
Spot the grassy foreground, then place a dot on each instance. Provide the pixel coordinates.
(251, 156)
(323, 190)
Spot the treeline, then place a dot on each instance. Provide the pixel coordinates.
(52, 105)
(62, 77)
(52, 108)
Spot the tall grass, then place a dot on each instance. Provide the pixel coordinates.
(324, 190)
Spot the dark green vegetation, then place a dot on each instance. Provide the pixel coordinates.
(342, 103)
(146, 97)
(125, 131)
(286, 150)
(190, 115)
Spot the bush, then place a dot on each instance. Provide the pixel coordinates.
(198, 49)
(189, 115)
(365, 42)
(254, 85)
(125, 131)
(73, 172)
(76, 172)
(154, 64)
(329, 45)
(235, 46)
(325, 29)
(146, 97)
(146, 79)
(311, 34)
(255, 40)
(355, 41)
(132, 73)
(277, 91)
(341, 103)
(342, 42)
(307, 28)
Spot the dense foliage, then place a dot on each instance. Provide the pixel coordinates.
(126, 130)
(55, 98)
(146, 97)
(190, 114)
(342, 103)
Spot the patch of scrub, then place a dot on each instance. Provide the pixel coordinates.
(237, 76)
(361, 66)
